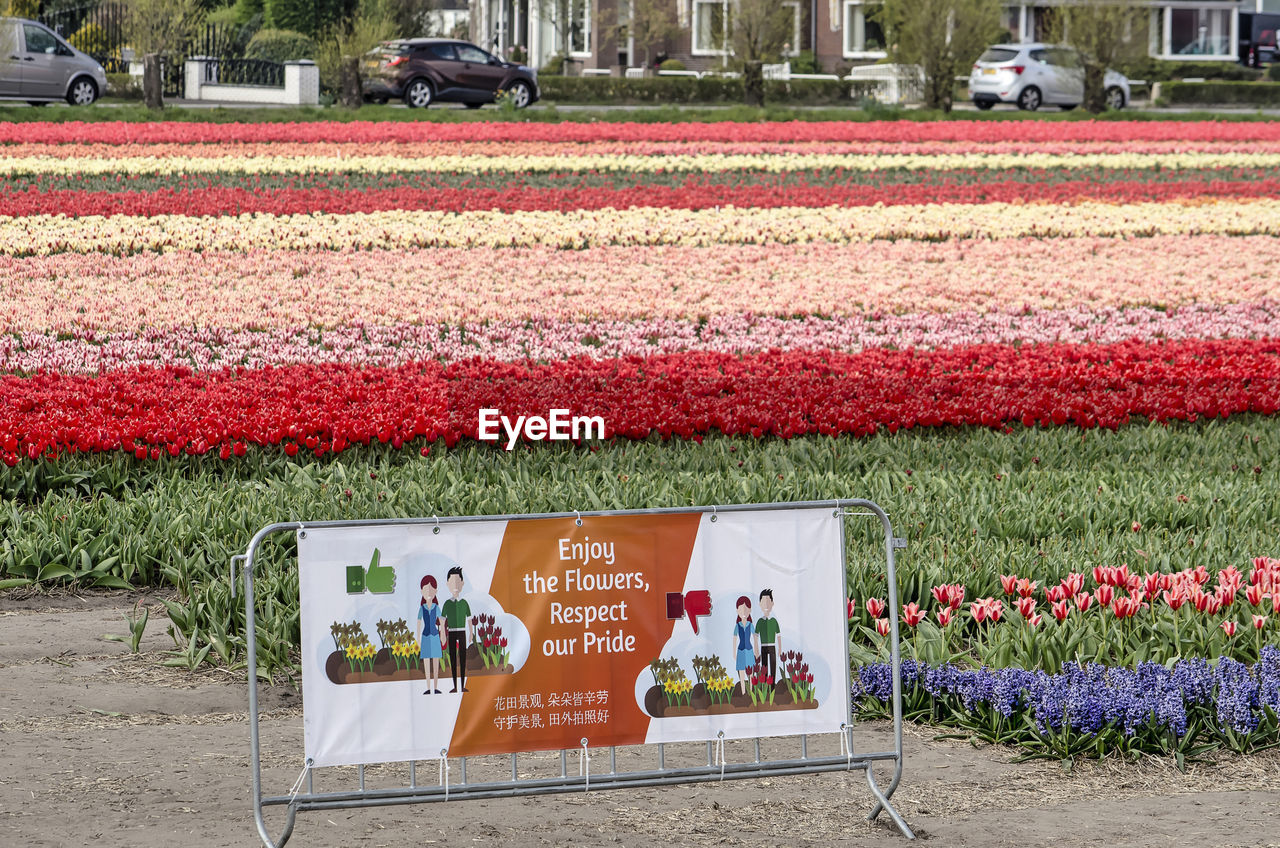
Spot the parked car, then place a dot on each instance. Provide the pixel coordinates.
(1032, 75)
(423, 71)
(37, 66)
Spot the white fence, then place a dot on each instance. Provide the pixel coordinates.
(301, 85)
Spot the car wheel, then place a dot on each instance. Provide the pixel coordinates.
(1114, 98)
(1067, 107)
(418, 94)
(474, 105)
(83, 91)
(520, 94)
(1029, 99)
(984, 105)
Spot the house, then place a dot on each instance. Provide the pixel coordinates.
(840, 32)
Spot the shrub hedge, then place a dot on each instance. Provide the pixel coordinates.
(616, 90)
(1245, 93)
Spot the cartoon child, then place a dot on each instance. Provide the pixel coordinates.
(432, 641)
(457, 617)
(768, 642)
(743, 639)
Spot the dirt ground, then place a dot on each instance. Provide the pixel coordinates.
(100, 746)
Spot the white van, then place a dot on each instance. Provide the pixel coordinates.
(37, 66)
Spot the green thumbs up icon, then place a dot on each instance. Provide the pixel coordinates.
(378, 579)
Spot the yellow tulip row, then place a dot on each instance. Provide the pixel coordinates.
(683, 163)
(38, 235)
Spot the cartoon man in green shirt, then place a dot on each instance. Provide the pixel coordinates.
(457, 617)
(767, 631)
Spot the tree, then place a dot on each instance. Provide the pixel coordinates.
(566, 18)
(758, 29)
(648, 22)
(306, 16)
(943, 37)
(162, 26)
(1101, 31)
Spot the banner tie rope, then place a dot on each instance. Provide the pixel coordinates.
(720, 753)
(846, 746)
(297, 784)
(444, 771)
(584, 766)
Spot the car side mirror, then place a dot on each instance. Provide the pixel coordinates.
(493, 60)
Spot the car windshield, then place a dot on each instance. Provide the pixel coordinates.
(998, 55)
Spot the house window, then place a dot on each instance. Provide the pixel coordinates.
(710, 27)
(1207, 32)
(579, 27)
(1198, 32)
(863, 34)
(792, 47)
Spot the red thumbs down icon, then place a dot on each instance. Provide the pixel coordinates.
(692, 604)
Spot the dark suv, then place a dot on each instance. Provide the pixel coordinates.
(424, 70)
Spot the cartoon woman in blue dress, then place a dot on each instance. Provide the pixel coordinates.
(743, 641)
(429, 619)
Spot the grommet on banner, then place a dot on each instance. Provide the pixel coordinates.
(302, 531)
(444, 771)
(297, 784)
(846, 745)
(584, 766)
(578, 518)
(720, 752)
(713, 514)
(436, 529)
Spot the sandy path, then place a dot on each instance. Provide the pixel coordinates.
(100, 746)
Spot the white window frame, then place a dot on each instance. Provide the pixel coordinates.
(796, 33)
(695, 20)
(1161, 44)
(584, 53)
(851, 50)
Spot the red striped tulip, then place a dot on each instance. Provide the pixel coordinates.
(876, 607)
(1084, 600)
(1061, 609)
(1229, 628)
(1104, 594)
(1008, 583)
(853, 607)
(944, 616)
(1026, 606)
(1259, 621)
(912, 614)
(882, 626)
(1254, 595)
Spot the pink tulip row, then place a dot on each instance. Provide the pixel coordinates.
(1117, 590)
(434, 148)
(91, 351)
(407, 132)
(282, 290)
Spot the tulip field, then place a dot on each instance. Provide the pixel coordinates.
(1051, 351)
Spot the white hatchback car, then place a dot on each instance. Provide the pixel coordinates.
(1032, 75)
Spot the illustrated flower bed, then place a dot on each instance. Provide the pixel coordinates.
(716, 692)
(357, 660)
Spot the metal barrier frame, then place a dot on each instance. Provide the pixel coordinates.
(516, 787)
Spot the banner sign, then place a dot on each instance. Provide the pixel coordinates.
(486, 637)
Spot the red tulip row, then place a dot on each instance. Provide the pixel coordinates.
(989, 132)
(150, 411)
(693, 195)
